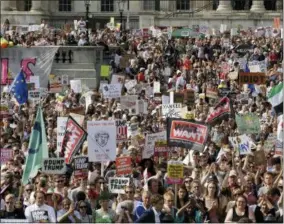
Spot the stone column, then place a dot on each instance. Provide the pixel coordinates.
(5, 5)
(224, 5)
(36, 5)
(257, 6)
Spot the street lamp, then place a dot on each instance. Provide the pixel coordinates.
(120, 4)
(87, 5)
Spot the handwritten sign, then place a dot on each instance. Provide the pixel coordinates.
(81, 166)
(160, 151)
(34, 95)
(54, 166)
(172, 110)
(175, 172)
(116, 185)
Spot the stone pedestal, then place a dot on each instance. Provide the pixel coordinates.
(224, 5)
(257, 6)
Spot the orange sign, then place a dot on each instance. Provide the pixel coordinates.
(123, 166)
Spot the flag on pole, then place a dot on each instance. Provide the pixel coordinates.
(37, 148)
(275, 98)
(19, 88)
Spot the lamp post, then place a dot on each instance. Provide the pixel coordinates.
(121, 9)
(87, 5)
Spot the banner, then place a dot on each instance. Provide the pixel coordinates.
(34, 95)
(248, 123)
(54, 166)
(222, 109)
(101, 141)
(157, 87)
(73, 138)
(175, 172)
(116, 185)
(252, 78)
(33, 60)
(242, 144)
(160, 151)
(123, 165)
(81, 167)
(150, 143)
(112, 91)
(4, 110)
(121, 130)
(186, 134)
(172, 110)
(270, 142)
(6, 155)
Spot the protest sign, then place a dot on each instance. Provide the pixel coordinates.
(212, 93)
(105, 71)
(150, 143)
(61, 127)
(40, 216)
(123, 165)
(81, 166)
(64, 80)
(54, 166)
(242, 144)
(112, 91)
(257, 66)
(132, 130)
(157, 87)
(160, 151)
(175, 172)
(252, 78)
(172, 110)
(130, 84)
(165, 99)
(270, 142)
(73, 138)
(186, 134)
(221, 110)
(141, 107)
(55, 85)
(176, 97)
(101, 141)
(34, 95)
(116, 185)
(76, 85)
(78, 118)
(117, 78)
(129, 103)
(35, 80)
(278, 148)
(121, 130)
(6, 155)
(248, 123)
(33, 60)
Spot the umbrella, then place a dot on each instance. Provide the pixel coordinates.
(184, 32)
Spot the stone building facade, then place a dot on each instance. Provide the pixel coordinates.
(145, 13)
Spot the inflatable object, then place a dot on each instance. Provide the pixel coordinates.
(4, 43)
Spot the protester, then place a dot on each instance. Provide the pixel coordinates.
(201, 136)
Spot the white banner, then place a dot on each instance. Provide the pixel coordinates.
(150, 143)
(76, 86)
(33, 60)
(54, 166)
(112, 91)
(116, 185)
(172, 110)
(101, 141)
(61, 127)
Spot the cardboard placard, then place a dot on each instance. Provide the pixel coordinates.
(123, 165)
(175, 172)
(54, 166)
(252, 78)
(160, 151)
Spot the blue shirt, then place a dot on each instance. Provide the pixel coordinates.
(140, 209)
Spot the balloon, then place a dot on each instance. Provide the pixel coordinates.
(11, 44)
(4, 43)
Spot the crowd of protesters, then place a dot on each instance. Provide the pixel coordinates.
(216, 187)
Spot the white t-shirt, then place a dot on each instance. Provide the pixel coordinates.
(40, 214)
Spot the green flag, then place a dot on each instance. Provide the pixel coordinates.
(248, 123)
(37, 148)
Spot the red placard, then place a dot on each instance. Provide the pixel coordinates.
(123, 166)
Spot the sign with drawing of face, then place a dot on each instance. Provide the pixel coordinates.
(101, 141)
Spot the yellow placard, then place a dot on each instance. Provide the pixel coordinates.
(175, 170)
(105, 70)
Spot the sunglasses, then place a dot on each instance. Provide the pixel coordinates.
(59, 181)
